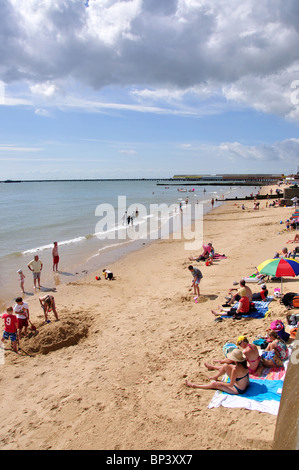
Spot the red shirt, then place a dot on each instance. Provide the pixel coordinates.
(245, 305)
(264, 294)
(10, 322)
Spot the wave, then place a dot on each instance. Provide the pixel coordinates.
(106, 247)
(102, 234)
(50, 246)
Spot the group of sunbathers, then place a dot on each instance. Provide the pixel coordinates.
(242, 361)
(246, 300)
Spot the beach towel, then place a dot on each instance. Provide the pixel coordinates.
(261, 308)
(219, 256)
(261, 395)
(269, 373)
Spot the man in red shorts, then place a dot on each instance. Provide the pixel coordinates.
(55, 256)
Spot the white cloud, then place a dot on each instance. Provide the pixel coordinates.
(128, 152)
(42, 112)
(284, 151)
(14, 148)
(46, 89)
(166, 52)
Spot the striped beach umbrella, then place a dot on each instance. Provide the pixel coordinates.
(279, 267)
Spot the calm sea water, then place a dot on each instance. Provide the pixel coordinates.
(35, 214)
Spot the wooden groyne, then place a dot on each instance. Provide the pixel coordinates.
(251, 198)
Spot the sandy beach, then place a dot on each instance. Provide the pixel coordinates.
(110, 374)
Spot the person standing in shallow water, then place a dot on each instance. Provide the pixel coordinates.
(36, 267)
(55, 256)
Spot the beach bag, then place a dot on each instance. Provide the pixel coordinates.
(228, 347)
(296, 301)
(288, 298)
(278, 326)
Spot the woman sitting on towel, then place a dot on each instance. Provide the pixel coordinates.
(235, 366)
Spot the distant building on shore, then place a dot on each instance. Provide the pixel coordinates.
(233, 178)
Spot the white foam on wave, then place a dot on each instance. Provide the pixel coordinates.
(50, 246)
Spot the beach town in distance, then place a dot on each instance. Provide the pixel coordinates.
(118, 367)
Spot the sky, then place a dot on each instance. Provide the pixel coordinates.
(148, 88)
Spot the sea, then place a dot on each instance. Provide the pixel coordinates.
(88, 219)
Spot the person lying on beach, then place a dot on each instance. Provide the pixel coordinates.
(251, 353)
(243, 309)
(296, 239)
(257, 276)
(207, 249)
(197, 277)
(243, 291)
(275, 352)
(235, 367)
(48, 303)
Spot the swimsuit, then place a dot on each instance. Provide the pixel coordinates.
(251, 371)
(240, 391)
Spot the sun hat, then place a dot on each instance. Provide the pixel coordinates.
(236, 355)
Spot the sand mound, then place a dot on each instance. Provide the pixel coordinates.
(55, 335)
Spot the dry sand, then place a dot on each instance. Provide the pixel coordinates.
(110, 374)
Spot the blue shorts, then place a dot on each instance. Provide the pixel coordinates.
(12, 336)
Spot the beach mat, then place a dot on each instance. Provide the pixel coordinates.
(261, 308)
(261, 395)
(219, 256)
(269, 373)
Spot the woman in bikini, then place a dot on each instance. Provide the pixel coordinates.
(235, 366)
(251, 353)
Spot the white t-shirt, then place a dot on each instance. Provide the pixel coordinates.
(18, 309)
(36, 266)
